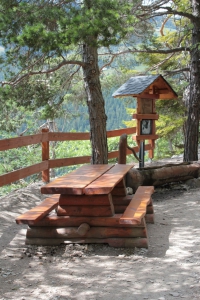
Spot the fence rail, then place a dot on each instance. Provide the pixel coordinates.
(44, 138)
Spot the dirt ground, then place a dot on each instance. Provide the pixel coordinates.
(169, 269)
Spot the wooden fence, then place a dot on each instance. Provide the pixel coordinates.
(46, 164)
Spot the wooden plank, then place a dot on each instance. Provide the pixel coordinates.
(75, 136)
(168, 96)
(11, 143)
(45, 156)
(71, 161)
(149, 96)
(69, 136)
(149, 218)
(122, 200)
(136, 210)
(120, 188)
(40, 211)
(74, 182)
(90, 211)
(107, 181)
(22, 173)
(77, 200)
(113, 154)
(119, 191)
(67, 185)
(145, 190)
(94, 232)
(152, 116)
(120, 209)
(53, 220)
(119, 132)
(145, 137)
(150, 209)
(113, 242)
(22, 141)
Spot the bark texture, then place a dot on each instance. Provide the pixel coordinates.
(160, 175)
(192, 124)
(95, 102)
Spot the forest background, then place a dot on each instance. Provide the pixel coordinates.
(66, 110)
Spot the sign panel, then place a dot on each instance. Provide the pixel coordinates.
(146, 127)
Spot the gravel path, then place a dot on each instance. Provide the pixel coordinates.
(169, 269)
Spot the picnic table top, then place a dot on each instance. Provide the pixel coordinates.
(88, 179)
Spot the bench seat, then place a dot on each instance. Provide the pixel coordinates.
(38, 212)
(137, 208)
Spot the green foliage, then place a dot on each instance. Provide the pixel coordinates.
(50, 27)
(18, 158)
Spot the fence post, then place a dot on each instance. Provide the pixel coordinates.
(122, 149)
(45, 156)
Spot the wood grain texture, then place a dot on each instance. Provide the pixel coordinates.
(145, 137)
(90, 211)
(149, 218)
(40, 211)
(113, 242)
(22, 173)
(21, 141)
(53, 220)
(74, 182)
(45, 157)
(137, 208)
(83, 229)
(121, 200)
(152, 116)
(93, 232)
(120, 188)
(106, 183)
(85, 200)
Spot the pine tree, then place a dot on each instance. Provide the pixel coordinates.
(36, 32)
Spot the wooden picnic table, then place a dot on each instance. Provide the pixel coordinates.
(91, 206)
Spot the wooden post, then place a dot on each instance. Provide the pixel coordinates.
(152, 142)
(141, 154)
(45, 156)
(122, 149)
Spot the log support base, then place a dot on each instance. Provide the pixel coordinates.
(55, 229)
(113, 242)
(119, 236)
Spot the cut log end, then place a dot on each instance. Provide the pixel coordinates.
(83, 229)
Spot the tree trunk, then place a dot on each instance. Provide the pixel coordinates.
(96, 105)
(192, 123)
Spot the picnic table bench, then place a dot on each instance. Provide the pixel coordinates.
(90, 205)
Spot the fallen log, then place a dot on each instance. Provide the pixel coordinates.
(160, 175)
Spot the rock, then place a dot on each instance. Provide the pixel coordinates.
(174, 294)
(191, 183)
(129, 191)
(90, 248)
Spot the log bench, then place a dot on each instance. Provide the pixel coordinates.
(37, 213)
(90, 205)
(138, 206)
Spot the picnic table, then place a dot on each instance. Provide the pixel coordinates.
(90, 205)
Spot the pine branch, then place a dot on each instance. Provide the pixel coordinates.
(51, 70)
(109, 63)
(177, 71)
(148, 50)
